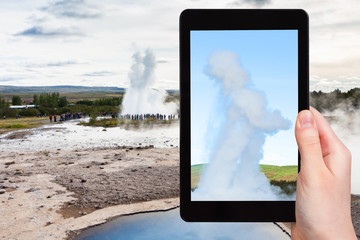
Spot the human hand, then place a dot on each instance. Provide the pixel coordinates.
(323, 185)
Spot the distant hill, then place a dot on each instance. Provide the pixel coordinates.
(59, 89)
(64, 89)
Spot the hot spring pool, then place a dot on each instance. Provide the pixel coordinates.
(169, 225)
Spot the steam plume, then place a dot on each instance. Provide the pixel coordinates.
(233, 170)
(140, 97)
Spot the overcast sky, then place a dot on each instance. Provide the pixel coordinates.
(90, 43)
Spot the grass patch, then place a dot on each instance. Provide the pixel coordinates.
(196, 171)
(114, 122)
(281, 176)
(21, 123)
(280, 173)
(15, 126)
(108, 122)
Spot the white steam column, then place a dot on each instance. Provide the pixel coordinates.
(140, 97)
(233, 171)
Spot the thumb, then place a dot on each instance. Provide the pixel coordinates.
(308, 140)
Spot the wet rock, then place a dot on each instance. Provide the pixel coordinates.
(10, 163)
(83, 180)
(32, 190)
(18, 172)
(2, 191)
(41, 206)
(104, 130)
(48, 223)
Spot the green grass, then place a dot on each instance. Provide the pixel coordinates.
(280, 173)
(15, 126)
(281, 176)
(111, 122)
(11, 124)
(196, 171)
(114, 122)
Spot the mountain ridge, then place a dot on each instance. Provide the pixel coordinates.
(64, 89)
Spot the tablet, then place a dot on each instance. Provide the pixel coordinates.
(243, 80)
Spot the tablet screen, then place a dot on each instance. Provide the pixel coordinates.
(244, 104)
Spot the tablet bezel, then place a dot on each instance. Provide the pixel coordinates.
(235, 19)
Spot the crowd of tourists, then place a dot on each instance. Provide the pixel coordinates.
(70, 116)
(66, 116)
(157, 116)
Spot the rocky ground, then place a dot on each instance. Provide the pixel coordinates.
(42, 189)
(52, 194)
(355, 213)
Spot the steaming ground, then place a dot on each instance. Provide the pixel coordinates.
(346, 125)
(233, 172)
(69, 135)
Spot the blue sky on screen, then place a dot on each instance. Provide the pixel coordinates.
(270, 59)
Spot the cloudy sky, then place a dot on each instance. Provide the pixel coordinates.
(90, 43)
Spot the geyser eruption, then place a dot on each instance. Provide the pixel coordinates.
(233, 171)
(140, 97)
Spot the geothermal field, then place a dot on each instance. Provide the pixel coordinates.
(62, 177)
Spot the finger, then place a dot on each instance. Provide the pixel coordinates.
(294, 235)
(333, 150)
(308, 140)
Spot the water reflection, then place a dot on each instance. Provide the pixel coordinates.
(168, 225)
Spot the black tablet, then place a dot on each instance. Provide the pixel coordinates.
(243, 80)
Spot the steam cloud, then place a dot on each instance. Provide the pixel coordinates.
(233, 170)
(345, 122)
(140, 97)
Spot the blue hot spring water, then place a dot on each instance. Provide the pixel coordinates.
(169, 225)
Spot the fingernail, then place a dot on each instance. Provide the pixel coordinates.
(306, 119)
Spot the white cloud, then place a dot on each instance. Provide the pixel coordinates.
(103, 35)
